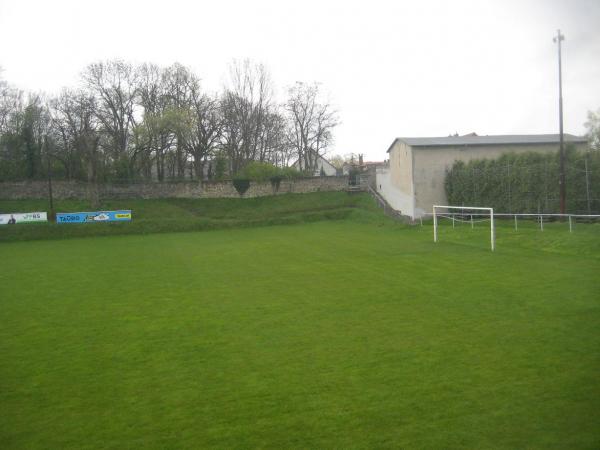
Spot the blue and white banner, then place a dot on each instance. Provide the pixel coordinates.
(96, 216)
(11, 219)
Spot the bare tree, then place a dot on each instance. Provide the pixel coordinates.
(178, 81)
(311, 123)
(246, 105)
(115, 86)
(11, 103)
(153, 137)
(76, 135)
(144, 121)
(274, 145)
(202, 133)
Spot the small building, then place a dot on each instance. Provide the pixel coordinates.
(413, 180)
(322, 166)
(360, 166)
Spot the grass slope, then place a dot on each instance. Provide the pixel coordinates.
(171, 215)
(323, 335)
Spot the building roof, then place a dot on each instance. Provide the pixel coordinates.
(503, 139)
(318, 157)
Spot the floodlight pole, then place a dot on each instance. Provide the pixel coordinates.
(562, 179)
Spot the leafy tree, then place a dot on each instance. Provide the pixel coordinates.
(220, 166)
(593, 129)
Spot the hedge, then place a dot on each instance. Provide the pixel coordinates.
(527, 182)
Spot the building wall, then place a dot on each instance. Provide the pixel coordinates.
(397, 199)
(328, 168)
(218, 189)
(394, 180)
(431, 163)
(401, 167)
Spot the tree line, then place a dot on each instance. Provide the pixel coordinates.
(141, 122)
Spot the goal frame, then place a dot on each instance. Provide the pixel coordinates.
(477, 208)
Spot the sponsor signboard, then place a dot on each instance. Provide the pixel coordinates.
(14, 218)
(96, 216)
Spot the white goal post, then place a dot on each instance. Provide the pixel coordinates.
(463, 208)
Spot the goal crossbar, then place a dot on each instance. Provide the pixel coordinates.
(468, 208)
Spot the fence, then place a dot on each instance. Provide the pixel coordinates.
(541, 218)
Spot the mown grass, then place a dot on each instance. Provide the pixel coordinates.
(357, 333)
(177, 215)
(584, 240)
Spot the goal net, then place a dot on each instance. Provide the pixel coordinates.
(463, 214)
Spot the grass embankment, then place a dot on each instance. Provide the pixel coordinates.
(176, 215)
(322, 335)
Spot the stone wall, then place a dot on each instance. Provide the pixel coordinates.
(212, 189)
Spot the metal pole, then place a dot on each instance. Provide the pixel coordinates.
(587, 186)
(493, 233)
(516, 226)
(452, 220)
(542, 223)
(508, 176)
(472, 222)
(570, 225)
(434, 226)
(562, 181)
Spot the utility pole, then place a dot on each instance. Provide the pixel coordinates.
(562, 179)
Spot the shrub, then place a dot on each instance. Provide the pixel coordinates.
(275, 182)
(290, 173)
(259, 171)
(262, 171)
(241, 185)
(220, 167)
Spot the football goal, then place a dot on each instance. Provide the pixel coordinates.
(464, 212)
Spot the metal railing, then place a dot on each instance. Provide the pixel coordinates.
(539, 217)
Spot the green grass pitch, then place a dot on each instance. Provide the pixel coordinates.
(354, 333)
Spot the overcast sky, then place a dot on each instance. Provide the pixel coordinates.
(398, 68)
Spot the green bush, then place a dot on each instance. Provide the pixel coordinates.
(290, 173)
(258, 171)
(220, 167)
(262, 171)
(241, 185)
(275, 182)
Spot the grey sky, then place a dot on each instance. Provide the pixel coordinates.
(426, 68)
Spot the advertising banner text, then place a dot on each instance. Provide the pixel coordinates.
(14, 218)
(95, 216)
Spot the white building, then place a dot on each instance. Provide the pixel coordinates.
(321, 163)
(413, 181)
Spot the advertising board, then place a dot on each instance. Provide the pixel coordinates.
(94, 217)
(14, 218)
